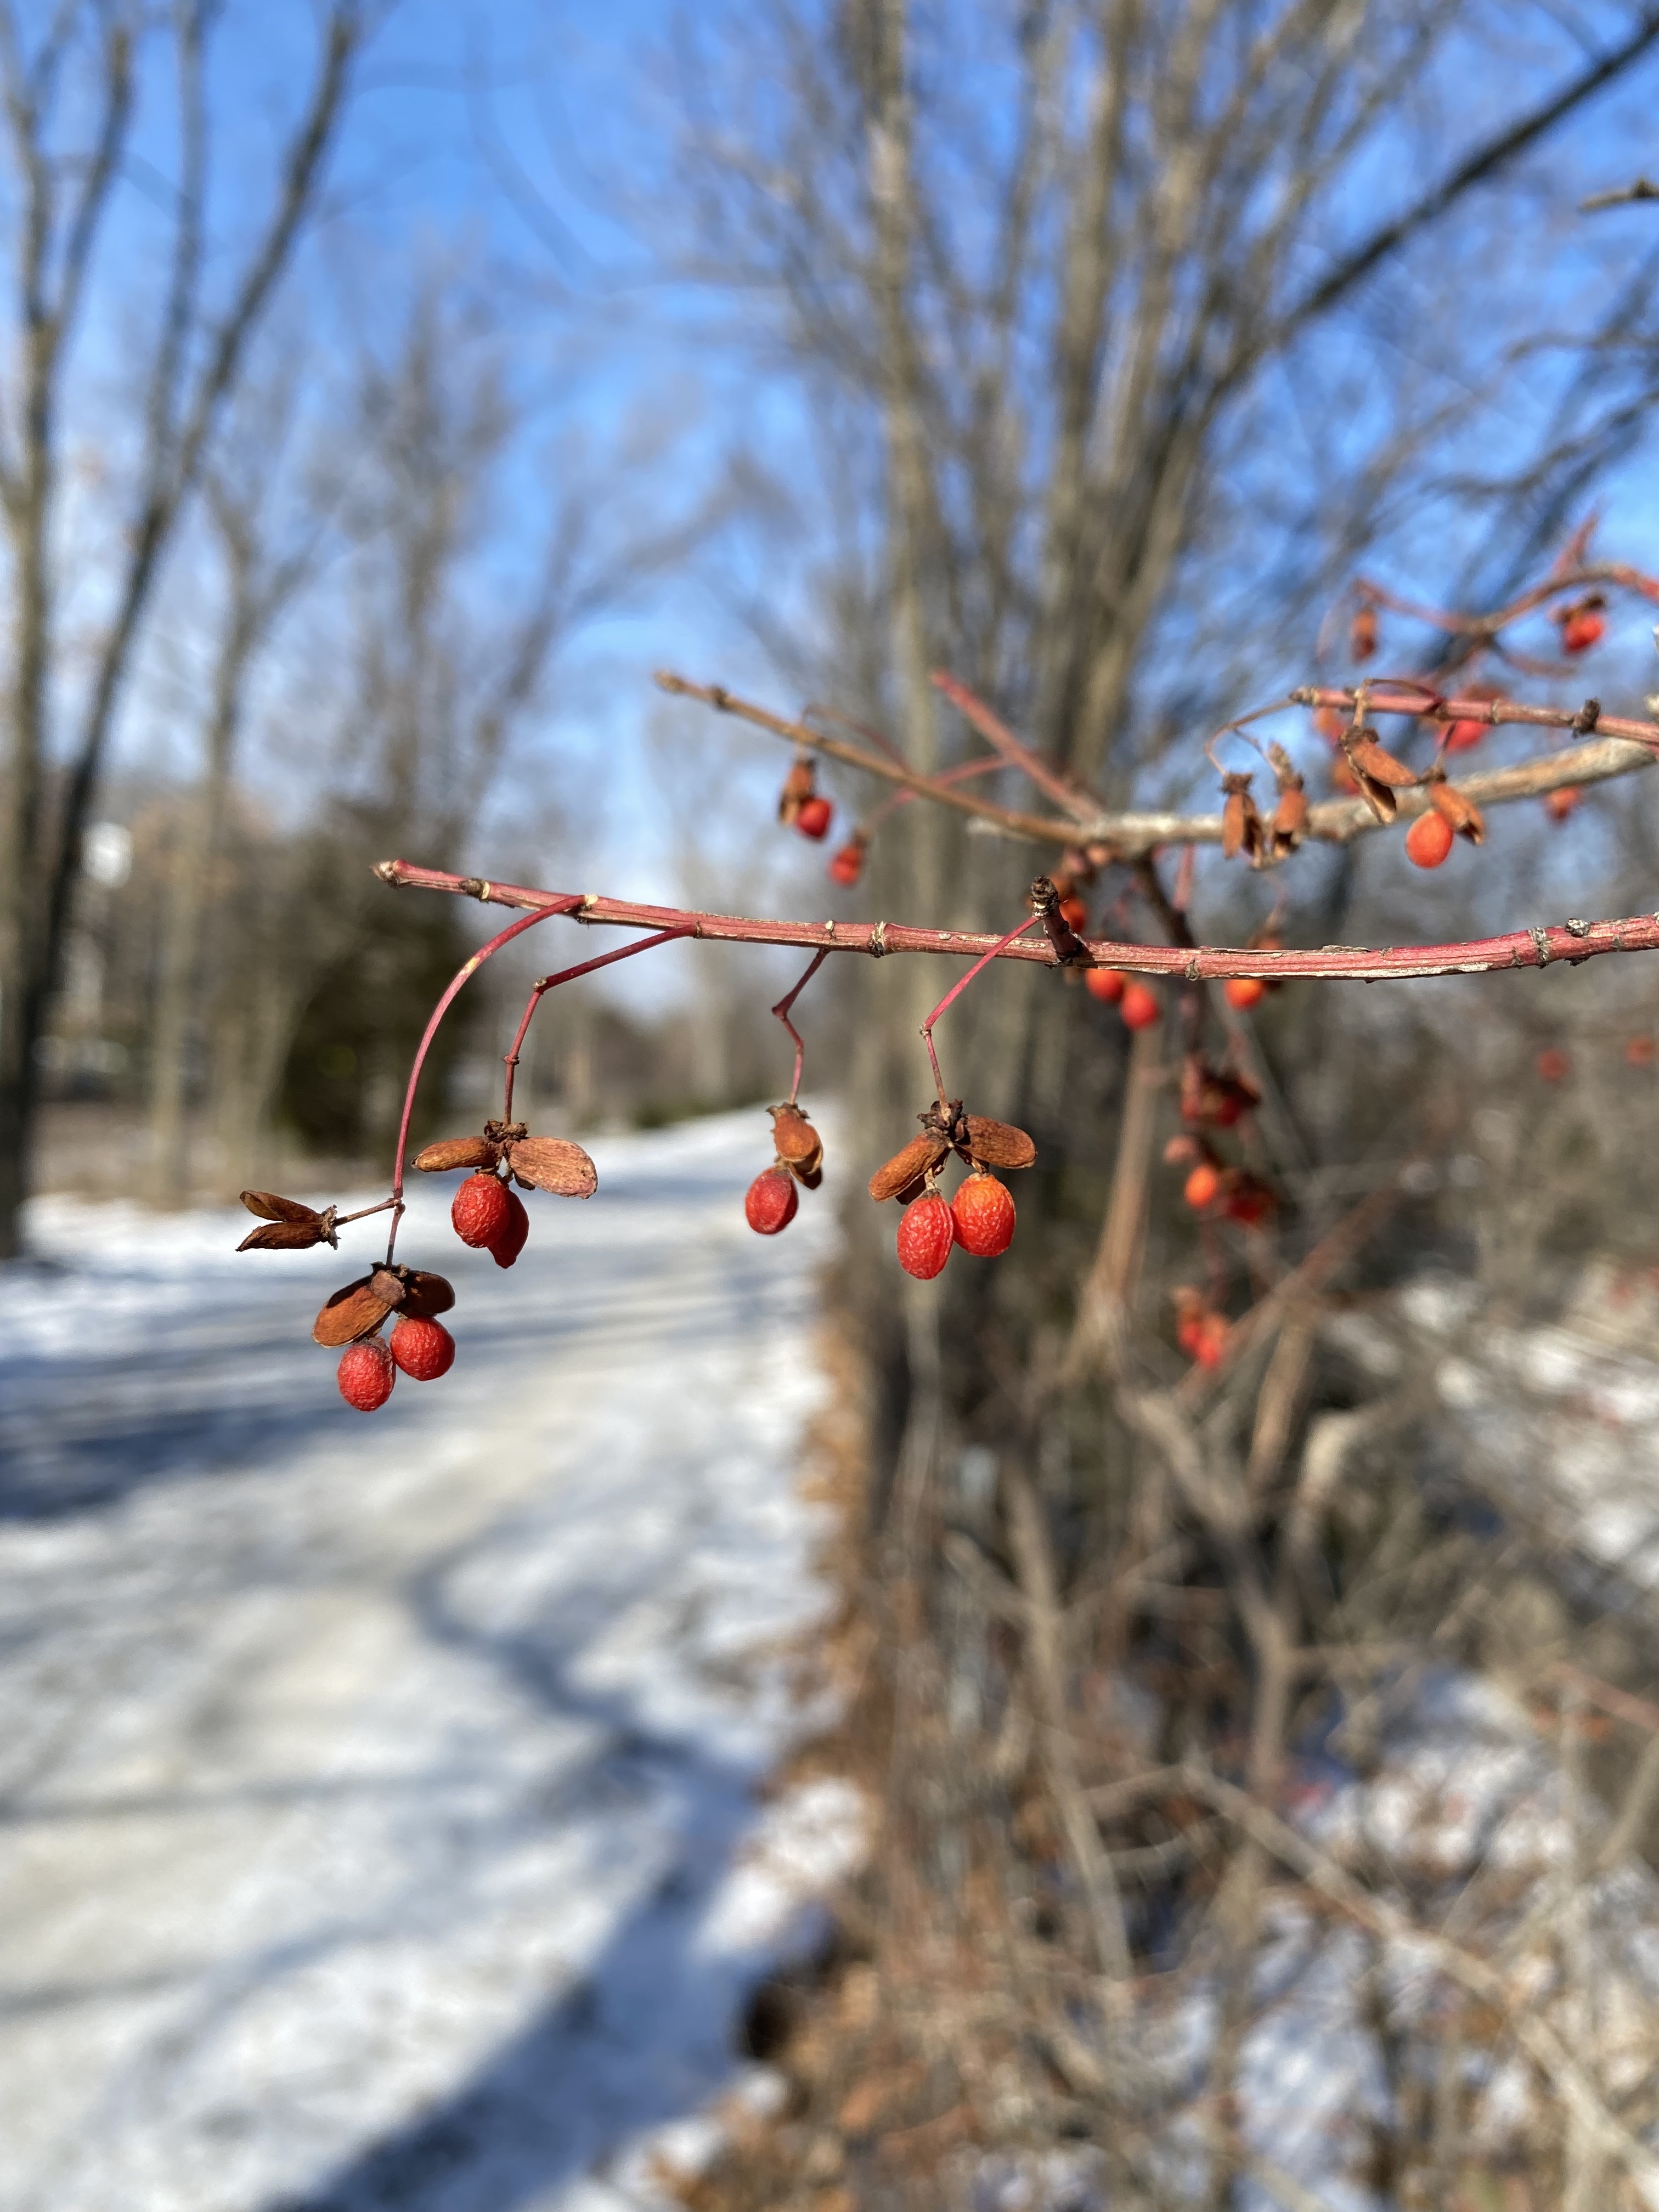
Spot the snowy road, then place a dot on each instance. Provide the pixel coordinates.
(378, 1811)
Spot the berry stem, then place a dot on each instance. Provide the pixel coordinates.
(781, 1010)
(956, 991)
(363, 1212)
(568, 975)
(564, 904)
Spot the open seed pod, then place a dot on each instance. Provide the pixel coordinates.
(809, 1178)
(1376, 772)
(411, 1292)
(450, 1152)
(355, 1312)
(799, 1144)
(290, 1227)
(1464, 815)
(1241, 825)
(554, 1163)
(1289, 825)
(996, 1144)
(910, 1168)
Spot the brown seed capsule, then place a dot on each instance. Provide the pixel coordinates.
(350, 1314)
(797, 789)
(915, 1161)
(553, 1164)
(1462, 814)
(998, 1144)
(425, 1295)
(1289, 822)
(808, 1178)
(1241, 825)
(388, 1286)
(292, 1227)
(794, 1137)
(451, 1152)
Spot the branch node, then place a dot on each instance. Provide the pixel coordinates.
(1576, 927)
(474, 886)
(878, 940)
(1584, 721)
(1540, 943)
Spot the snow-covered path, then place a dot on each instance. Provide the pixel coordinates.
(378, 1812)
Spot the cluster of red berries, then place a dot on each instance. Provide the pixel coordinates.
(771, 1200)
(1201, 1329)
(487, 1213)
(979, 1219)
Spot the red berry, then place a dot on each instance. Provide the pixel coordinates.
(1462, 735)
(1105, 984)
(1554, 1064)
(927, 1230)
(505, 1246)
(480, 1212)
(1641, 1052)
(1074, 913)
(983, 1213)
(846, 866)
(814, 817)
(366, 1374)
(423, 1349)
(1558, 805)
(770, 1201)
(1582, 630)
(1140, 1007)
(1243, 992)
(1429, 840)
(1202, 1185)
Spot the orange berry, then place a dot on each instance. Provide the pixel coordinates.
(1202, 1185)
(1581, 631)
(846, 866)
(1244, 992)
(1553, 1064)
(1212, 1334)
(1141, 1006)
(1105, 984)
(1073, 912)
(1641, 1052)
(770, 1201)
(366, 1374)
(927, 1230)
(423, 1349)
(813, 818)
(1558, 805)
(1429, 840)
(480, 1212)
(984, 1215)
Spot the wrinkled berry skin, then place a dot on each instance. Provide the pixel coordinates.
(480, 1212)
(983, 1212)
(365, 1373)
(927, 1230)
(505, 1248)
(423, 1349)
(771, 1202)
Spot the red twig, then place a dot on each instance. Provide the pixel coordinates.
(1535, 947)
(956, 991)
(568, 975)
(1484, 626)
(781, 1010)
(549, 903)
(1061, 788)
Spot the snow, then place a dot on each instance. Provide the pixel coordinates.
(381, 1808)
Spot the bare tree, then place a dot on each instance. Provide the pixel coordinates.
(87, 60)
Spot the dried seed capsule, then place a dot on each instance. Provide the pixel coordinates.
(927, 1231)
(450, 1152)
(998, 1144)
(918, 1157)
(770, 1201)
(351, 1313)
(555, 1163)
(983, 1213)
(796, 1139)
(479, 1211)
(366, 1374)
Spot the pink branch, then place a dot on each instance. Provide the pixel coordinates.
(1048, 780)
(956, 991)
(1535, 947)
(549, 902)
(781, 1010)
(570, 975)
